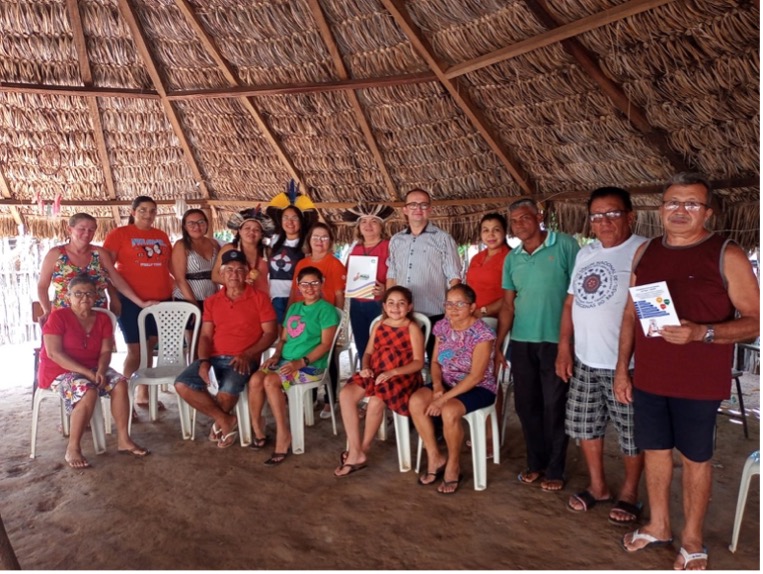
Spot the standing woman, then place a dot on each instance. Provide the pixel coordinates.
(79, 257)
(293, 213)
(372, 241)
(141, 254)
(251, 227)
(192, 259)
(485, 269)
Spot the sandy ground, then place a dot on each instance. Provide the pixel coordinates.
(193, 506)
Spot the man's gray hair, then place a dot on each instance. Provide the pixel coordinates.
(524, 203)
(691, 178)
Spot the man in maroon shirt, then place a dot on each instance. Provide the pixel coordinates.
(681, 376)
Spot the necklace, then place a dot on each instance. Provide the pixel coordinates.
(370, 250)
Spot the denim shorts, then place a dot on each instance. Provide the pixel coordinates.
(667, 422)
(229, 381)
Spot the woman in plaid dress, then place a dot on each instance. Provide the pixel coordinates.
(390, 373)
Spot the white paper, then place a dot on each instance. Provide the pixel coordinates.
(361, 276)
(654, 307)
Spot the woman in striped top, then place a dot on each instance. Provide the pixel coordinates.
(192, 260)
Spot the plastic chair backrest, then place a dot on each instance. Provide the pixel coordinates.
(425, 324)
(110, 316)
(171, 319)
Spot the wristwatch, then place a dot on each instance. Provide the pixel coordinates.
(483, 311)
(306, 360)
(709, 334)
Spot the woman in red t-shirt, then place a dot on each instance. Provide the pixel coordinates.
(486, 268)
(74, 360)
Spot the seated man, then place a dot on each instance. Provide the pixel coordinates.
(238, 324)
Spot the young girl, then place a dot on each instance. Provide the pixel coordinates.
(390, 373)
(300, 357)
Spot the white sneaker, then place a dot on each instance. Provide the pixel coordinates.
(326, 412)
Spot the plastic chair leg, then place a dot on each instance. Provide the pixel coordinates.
(403, 438)
(97, 428)
(741, 407)
(751, 467)
(184, 410)
(296, 421)
(38, 396)
(106, 407)
(244, 421)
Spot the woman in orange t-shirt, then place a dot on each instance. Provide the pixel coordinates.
(319, 244)
(486, 268)
(142, 255)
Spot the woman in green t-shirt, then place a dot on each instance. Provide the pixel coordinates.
(301, 356)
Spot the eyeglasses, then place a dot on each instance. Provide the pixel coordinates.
(321, 238)
(599, 217)
(306, 284)
(195, 224)
(693, 206)
(84, 294)
(456, 304)
(290, 218)
(423, 206)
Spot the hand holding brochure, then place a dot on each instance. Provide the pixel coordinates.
(361, 276)
(654, 307)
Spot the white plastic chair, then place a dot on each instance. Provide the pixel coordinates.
(751, 468)
(99, 424)
(347, 346)
(301, 410)
(242, 412)
(171, 319)
(477, 431)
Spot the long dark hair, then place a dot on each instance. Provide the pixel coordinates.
(495, 217)
(135, 203)
(186, 215)
(282, 235)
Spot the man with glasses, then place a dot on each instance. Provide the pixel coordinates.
(238, 324)
(592, 315)
(681, 376)
(423, 258)
(535, 279)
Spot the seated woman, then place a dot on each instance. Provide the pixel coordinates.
(300, 357)
(75, 357)
(462, 382)
(390, 373)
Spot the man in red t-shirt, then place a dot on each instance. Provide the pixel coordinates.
(238, 324)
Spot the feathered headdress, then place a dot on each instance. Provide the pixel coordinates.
(380, 212)
(293, 198)
(255, 213)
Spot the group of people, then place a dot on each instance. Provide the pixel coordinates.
(578, 355)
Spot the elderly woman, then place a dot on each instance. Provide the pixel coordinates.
(300, 357)
(75, 359)
(462, 382)
(251, 227)
(79, 256)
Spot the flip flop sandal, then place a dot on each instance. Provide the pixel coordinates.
(526, 476)
(632, 510)
(276, 458)
(690, 557)
(215, 433)
(454, 484)
(651, 541)
(587, 501)
(438, 474)
(352, 467)
(228, 440)
(547, 483)
(259, 443)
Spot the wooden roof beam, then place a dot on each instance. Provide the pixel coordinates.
(232, 77)
(556, 34)
(86, 74)
(76, 91)
(141, 43)
(357, 108)
(5, 191)
(459, 95)
(636, 116)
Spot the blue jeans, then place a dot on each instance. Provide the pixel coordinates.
(362, 314)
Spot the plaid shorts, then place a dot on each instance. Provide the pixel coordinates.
(591, 403)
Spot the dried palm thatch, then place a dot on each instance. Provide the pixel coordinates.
(362, 100)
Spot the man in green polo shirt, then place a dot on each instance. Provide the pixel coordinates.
(535, 280)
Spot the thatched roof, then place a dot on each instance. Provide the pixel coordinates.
(222, 102)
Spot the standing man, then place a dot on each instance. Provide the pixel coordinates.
(238, 324)
(535, 279)
(593, 311)
(423, 258)
(681, 376)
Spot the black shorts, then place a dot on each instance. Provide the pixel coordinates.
(666, 422)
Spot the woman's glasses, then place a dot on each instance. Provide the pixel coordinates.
(84, 294)
(196, 224)
(456, 304)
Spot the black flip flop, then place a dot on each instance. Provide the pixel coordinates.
(587, 500)
(352, 467)
(277, 458)
(438, 474)
(633, 509)
(448, 483)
